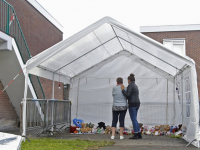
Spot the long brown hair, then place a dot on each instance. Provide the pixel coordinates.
(131, 77)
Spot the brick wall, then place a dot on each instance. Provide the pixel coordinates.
(8, 115)
(40, 34)
(47, 87)
(192, 39)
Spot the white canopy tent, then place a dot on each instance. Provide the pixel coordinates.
(91, 60)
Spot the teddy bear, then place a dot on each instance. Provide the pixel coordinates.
(157, 130)
(89, 129)
(84, 129)
(101, 125)
(166, 128)
(77, 122)
(108, 130)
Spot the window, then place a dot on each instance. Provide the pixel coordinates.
(176, 45)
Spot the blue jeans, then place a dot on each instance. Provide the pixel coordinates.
(133, 115)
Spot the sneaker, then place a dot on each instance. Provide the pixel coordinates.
(112, 137)
(121, 137)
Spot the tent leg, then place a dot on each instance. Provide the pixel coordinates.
(52, 105)
(24, 105)
(182, 97)
(53, 88)
(167, 104)
(77, 97)
(191, 142)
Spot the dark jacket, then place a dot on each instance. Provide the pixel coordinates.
(132, 93)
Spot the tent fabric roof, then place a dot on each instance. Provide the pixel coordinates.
(101, 41)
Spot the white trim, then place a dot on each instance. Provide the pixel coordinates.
(46, 14)
(23, 66)
(168, 28)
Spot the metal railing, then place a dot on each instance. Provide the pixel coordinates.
(47, 114)
(9, 24)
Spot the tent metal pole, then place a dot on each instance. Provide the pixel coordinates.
(85, 54)
(167, 104)
(149, 53)
(24, 104)
(77, 97)
(182, 98)
(52, 104)
(53, 87)
(117, 37)
(174, 90)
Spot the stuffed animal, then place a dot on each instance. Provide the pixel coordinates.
(94, 129)
(157, 130)
(77, 122)
(101, 125)
(90, 125)
(79, 130)
(152, 130)
(125, 131)
(84, 129)
(166, 128)
(108, 130)
(102, 130)
(89, 130)
(146, 128)
(161, 128)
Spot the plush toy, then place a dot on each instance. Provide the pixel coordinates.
(94, 129)
(152, 130)
(157, 130)
(102, 130)
(84, 129)
(108, 130)
(130, 130)
(125, 131)
(166, 128)
(79, 130)
(175, 129)
(171, 129)
(98, 130)
(146, 128)
(168, 133)
(77, 122)
(140, 124)
(89, 129)
(90, 125)
(161, 128)
(101, 125)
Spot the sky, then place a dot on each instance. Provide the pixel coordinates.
(75, 15)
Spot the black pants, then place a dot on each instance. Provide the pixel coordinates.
(121, 115)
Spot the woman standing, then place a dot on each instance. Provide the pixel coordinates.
(119, 108)
(132, 94)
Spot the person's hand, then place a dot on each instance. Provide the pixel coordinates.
(122, 87)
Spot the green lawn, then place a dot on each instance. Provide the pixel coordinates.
(62, 144)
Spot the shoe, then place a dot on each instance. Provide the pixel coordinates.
(139, 135)
(135, 136)
(112, 137)
(121, 137)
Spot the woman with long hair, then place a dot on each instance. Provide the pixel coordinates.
(132, 94)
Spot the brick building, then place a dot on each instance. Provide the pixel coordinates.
(41, 31)
(183, 39)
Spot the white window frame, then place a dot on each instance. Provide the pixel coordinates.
(177, 41)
